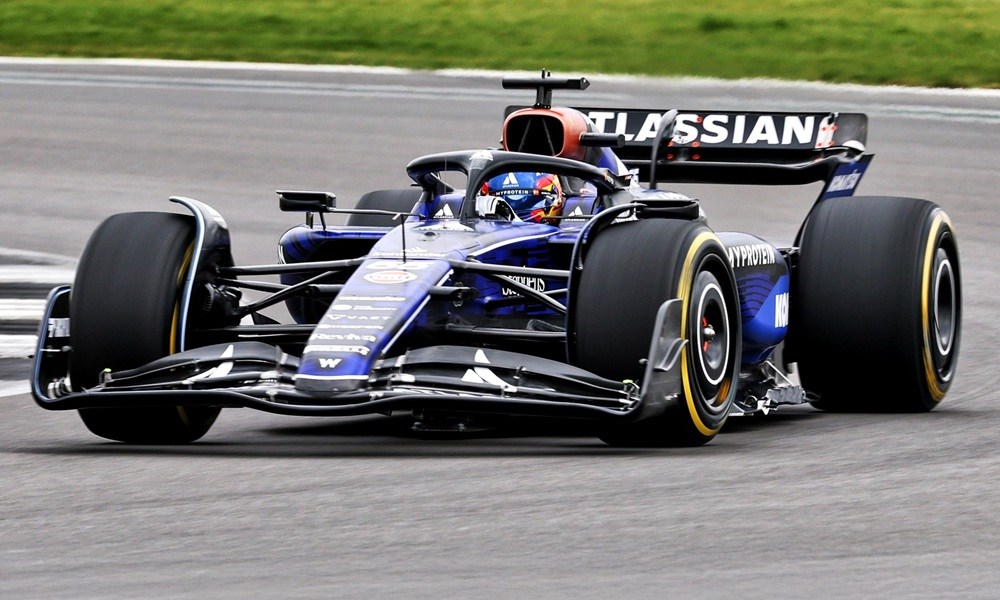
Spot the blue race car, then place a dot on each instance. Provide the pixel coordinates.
(548, 278)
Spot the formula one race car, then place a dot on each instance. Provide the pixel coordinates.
(556, 281)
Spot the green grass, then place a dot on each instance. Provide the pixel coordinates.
(939, 43)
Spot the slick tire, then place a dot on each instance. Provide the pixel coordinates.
(629, 271)
(391, 200)
(877, 288)
(124, 311)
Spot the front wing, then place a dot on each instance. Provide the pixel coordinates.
(460, 379)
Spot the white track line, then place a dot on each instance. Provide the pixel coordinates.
(491, 74)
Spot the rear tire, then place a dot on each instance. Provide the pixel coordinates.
(124, 312)
(878, 287)
(629, 271)
(399, 201)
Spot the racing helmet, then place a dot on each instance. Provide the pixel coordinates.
(533, 196)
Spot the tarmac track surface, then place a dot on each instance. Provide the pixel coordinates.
(798, 504)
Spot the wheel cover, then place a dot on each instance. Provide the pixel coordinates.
(943, 315)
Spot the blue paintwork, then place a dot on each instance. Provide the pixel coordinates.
(385, 297)
(762, 281)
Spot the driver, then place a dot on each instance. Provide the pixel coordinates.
(533, 196)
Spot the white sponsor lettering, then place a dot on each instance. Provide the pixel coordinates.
(751, 255)
(444, 212)
(349, 337)
(329, 363)
(362, 350)
(413, 265)
(352, 298)
(535, 283)
(732, 129)
(369, 308)
(802, 129)
(739, 124)
(340, 316)
(408, 251)
(389, 277)
(781, 310)
(763, 131)
(352, 327)
(444, 226)
(648, 129)
(600, 118)
(844, 182)
(715, 130)
(685, 131)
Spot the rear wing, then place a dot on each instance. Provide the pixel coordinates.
(764, 148)
(759, 148)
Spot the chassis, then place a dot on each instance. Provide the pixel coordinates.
(628, 312)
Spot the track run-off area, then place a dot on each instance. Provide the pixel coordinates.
(799, 503)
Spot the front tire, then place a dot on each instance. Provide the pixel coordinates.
(629, 271)
(124, 312)
(878, 287)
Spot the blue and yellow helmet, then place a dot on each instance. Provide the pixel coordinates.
(533, 196)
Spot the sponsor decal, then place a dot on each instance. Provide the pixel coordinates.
(445, 226)
(389, 277)
(58, 327)
(535, 283)
(329, 363)
(352, 327)
(362, 350)
(483, 155)
(383, 265)
(840, 183)
(408, 251)
(751, 255)
(443, 213)
(617, 122)
(370, 308)
(722, 129)
(349, 337)
(846, 178)
(343, 317)
(781, 310)
(352, 298)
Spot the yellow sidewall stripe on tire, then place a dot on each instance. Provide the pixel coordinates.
(684, 293)
(930, 373)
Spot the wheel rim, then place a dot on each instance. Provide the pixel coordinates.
(711, 341)
(944, 307)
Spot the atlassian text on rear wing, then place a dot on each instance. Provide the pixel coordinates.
(762, 148)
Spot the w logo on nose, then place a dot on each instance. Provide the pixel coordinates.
(329, 363)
